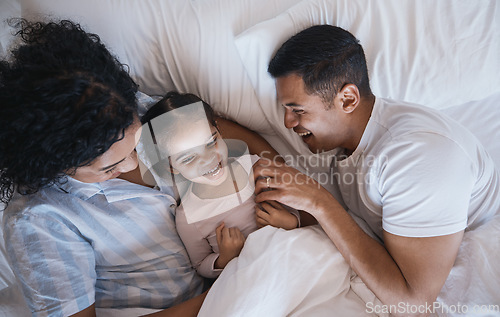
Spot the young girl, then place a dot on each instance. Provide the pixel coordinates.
(217, 210)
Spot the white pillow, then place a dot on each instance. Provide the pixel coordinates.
(8, 9)
(482, 118)
(183, 45)
(436, 53)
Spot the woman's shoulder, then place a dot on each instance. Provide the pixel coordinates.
(36, 210)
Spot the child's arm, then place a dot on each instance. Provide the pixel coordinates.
(198, 248)
(230, 242)
(277, 215)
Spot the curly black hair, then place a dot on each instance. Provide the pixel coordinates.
(64, 100)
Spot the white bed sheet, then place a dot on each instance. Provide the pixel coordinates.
(301, 273)
(285, 273)
(8, 9)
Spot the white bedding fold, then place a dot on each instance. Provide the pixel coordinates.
(474, 282)
(285, 273)
(301, 273)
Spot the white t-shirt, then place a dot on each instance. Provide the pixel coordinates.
(418, 173)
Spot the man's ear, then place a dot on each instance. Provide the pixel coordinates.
(350, 98)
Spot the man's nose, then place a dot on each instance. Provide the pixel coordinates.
(291, 119)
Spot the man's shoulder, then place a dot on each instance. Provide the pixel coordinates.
(402, 119)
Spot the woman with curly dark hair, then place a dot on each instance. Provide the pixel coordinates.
(77, 237)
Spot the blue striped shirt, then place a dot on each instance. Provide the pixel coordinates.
(113, 243)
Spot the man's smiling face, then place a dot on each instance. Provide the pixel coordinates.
(321, 127)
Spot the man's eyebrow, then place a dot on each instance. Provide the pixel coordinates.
(292, 104)
(184, 153)
(112, 165)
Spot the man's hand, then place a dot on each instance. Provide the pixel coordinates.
(230, 242)
(274, 214)
(285, 184)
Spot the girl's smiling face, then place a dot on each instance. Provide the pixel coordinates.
(198, 153)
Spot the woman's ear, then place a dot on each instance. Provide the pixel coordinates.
(350, 98)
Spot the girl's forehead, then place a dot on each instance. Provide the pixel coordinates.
(189, 136)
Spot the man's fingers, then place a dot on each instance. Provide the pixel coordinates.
(262, 196)
(258, 168)
(263, 168)
(265, 184)
(261, 212)
(272, 204)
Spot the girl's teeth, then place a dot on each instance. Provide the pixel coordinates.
(303, 133)
(214, 171)
(217, 173)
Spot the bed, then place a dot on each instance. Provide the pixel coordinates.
(443, 54)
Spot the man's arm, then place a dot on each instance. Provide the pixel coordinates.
(256, 144)
(410, 271)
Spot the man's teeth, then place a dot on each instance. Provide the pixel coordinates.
(303, 133)
(215, 171)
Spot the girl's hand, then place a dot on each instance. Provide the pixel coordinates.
(230, 242)
(274, 214)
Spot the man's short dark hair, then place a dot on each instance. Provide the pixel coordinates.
(326, 58)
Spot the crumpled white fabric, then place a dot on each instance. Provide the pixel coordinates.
(285, 273)
(474, 280)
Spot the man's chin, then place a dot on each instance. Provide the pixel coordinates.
(312, 148)
(315, 150)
